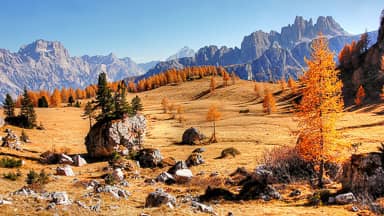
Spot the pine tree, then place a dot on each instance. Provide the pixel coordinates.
(121, 107)
(319, 109)
(71, 100)
(136, 105)
(269, 103)
(104, 99)
(360, 95)
(42, 102)
(9, 106)
(88, 113)
(27, 112)
(213, 115)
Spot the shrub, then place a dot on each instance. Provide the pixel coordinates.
(109, 179)
(24, 137)
(244, 111)
(36, 180)
(10, 162)
(12, 175)
(320, 197)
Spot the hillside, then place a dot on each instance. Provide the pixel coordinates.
(251, 133)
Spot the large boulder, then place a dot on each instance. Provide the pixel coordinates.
(178, 166)
(149, 158)
(11, 140)
(65, 171)
(79, 161)
(363, 175)
(105, 137)
(192, 136)
(195, 159)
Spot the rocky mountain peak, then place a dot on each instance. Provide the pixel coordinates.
(42, 48)
(182, 53)
(328, 26)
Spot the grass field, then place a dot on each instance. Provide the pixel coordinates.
(251, 133)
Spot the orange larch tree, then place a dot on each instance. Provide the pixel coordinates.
(269, 102)
(292, 85)
(360, 95)
(213, 115)
(257, 90)
(319, 109)
(225, 77)
(283, 84)
(56, 98)
(212, 85)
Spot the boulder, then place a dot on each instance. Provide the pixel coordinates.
(183, 175)
(192, 136)
(195, 159)
(60, 198)
(11, 140)
(363, 175)
(149, 158)
(166, 178)
(79, 161)
(177, 166)
(65, 171)
(65, 159)
(113, 190)
(118, 174)
(105, 137)
(49, 157)
(345, 198)
(158, 198)
(203, 208)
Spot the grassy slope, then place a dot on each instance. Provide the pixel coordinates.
(251, 133)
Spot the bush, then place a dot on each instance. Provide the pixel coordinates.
(109, 179)
(320, 197)
(24, 137)
(12, 175)
(37, 181)
(19, 121)
(10, 162)
(244, 111)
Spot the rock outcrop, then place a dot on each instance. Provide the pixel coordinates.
(158, 198)
(192, 136)
(11, 140)
(149, 158)
(106, 137)
(363, 175)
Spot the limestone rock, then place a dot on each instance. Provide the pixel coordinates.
(118, 174)
(65, 171)
(60, 198)
(105, 137)
(149, 158)
(166, 178)
(179, 165)
(11, 140)
(363, 175)
(192, 136)
(203, 208)
(183, 175)
(158, 198)
(79, 161)
(195, 159)
(65, 159)
(345, 198)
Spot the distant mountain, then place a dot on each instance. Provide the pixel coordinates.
(48, 65)
(148, 65)
(268, 56)
(182, 53)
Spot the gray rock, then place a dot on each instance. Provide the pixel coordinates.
(60, 198)
(65, 159)
(105, 138)
(65, 171)
(81, 204)
(166, 178)
(195, 159)
(158, 198)
(118, 174)
(149, 158)
(184, 173)
(355, 209)
(295, 193)
(5, 202)
(192, 136)
(199, 150)
(177, 166)
(203, 208)
(11, 140)
(51, 206)
(345, 198)
(25, 192)
(79, 161)
(113, 190)
(96, 207)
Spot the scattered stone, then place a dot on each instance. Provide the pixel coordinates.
(118, 174)
(79, 161)
(192, 136)
(149, 158)
(166, 178)
(195, 159)
(65, 171)
(81, 204)
(51, 205)
(5, 202)
(60, 198)
(345, 198)
(295, 193)
(65, 159)
(183, 175)
(158, 198)
(199, 150)
(203, 208)
(177, 166)
(124, 183)
(24, 191)
(355, 209)
(113, 190)
(262, 171)
(213, 174)
(11, 140)
(96, 208)
(144, 214)
(150, 181)
(105, 137)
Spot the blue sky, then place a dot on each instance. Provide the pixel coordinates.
(154, 29)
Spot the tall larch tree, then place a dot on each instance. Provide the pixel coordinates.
(212, 85)
(64, 95)
(213, 115)
(9, 106)
(320, 107)
(136, 105)
(269, 102)
(360, 95)
(292, 84)
(56, 98)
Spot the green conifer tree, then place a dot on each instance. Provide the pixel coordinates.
(9, 106)
(27, 112)
(136, 104)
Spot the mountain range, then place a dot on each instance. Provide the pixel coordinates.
(262, 56)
